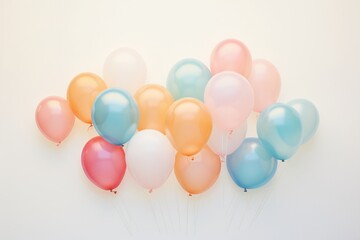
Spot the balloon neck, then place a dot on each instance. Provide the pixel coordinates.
(58, 144)
(222, 158)
(245, 190)
(190, 195)
(150, 190)
(230, 132)
(90, 127)
(283, 160)
(114, 192)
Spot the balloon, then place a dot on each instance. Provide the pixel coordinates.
(309, 117)
(251, 166)
(230, 100)
(54, 118)
(125, 68)
(197, 174)
(188, 78)
(81, 94)
(154, 102)
(231, 55)
(265, 80)
(150, 158)
(280, 131)
(103, 163)
(223, 143)
(188, 125)
(115, 115)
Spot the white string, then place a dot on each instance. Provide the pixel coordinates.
(127, 226)
(154, 213)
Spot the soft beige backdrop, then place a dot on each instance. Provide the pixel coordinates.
(43, 191)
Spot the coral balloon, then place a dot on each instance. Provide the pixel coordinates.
(309, 117)
(188, 78)
(81, 94)
(188, 125)
(103, 163)
(224, 142)
(54, 118)
(266, 82)
(231, 55)
(154, 102)
(125, 68)
(230, 100)
(197, 174)
(280, 130)
(150, 158)
(115, 115)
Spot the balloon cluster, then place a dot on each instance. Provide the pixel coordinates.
(201, 114)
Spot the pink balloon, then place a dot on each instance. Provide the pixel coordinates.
(265, 80)
(231, 55)
(54, 118)
(230, 100)
(103, 163)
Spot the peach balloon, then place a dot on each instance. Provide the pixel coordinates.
(188, 125)
(154, 102)
(231, 55)
(266, 82)
(54, 118)
(81, 94)
(197, 174)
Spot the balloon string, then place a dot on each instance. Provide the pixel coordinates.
(235, 210)
(245, 213)
(187, 216)
(124, 206)
(127, 226)
(154, 213)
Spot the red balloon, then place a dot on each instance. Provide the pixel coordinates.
(103, 163)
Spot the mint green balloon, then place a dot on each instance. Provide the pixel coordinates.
(188, 78)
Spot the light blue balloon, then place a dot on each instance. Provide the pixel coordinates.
(188, 78)
(279, 130)
(251, 166)
(115, 115)
(309, 117)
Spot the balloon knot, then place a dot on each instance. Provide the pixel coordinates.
(112, 190)
(283, 160)
(150, 190)
(90, 127)
(58, 144)
(245, 190)
(190, 195)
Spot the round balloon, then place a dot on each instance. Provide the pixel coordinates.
(231, 55)
(188, 78)
(251, 166)
(103, 163)
(115, 116)
(280, 131)
(125, 68)
(150, 158)
(309, 117)
(198, 173)
(154, 102)
(54, 118)
(81, 94)
(224, 142)
(188, 125)
(266, 82)
(230, 100)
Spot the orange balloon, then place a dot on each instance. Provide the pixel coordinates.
(188, 125)
(81, 94)
(154, 102)
(197, 174)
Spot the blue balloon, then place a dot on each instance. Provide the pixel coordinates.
(309, 117)
(251, 166)
(115, 115)
(188, 78)
(279, 130)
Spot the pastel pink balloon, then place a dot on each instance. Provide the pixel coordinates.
(103, 163)
(230, 100)
(266, 82)
(54, 118)
(231, 55)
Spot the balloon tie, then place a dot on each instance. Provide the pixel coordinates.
(90, 127)
(245, 190)
(114, 192)
(58, 144)
(150, 190)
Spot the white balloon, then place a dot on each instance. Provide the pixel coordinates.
(224, 143)
(125, 68)
(150, 158)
